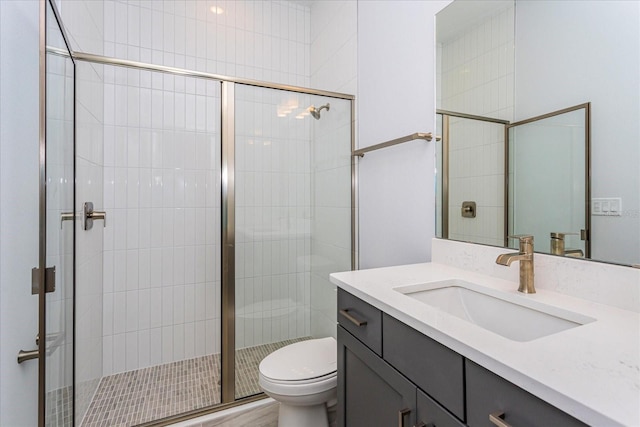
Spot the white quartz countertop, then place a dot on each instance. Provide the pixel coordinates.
(591, 372)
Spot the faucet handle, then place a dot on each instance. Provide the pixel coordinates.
(560, 235)
(526, 242)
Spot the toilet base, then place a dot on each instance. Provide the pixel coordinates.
(307, 416)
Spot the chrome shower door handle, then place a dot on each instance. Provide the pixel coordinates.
(90, 215)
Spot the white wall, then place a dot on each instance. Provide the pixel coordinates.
(396, 97)
(19, 209)
(605, 72)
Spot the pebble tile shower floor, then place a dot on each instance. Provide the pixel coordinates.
(149, 394)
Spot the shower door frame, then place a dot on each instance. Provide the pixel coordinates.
(228, 398)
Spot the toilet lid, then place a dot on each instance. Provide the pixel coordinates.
(301, 361)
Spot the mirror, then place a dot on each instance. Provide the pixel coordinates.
(515, 60)
(547, 186)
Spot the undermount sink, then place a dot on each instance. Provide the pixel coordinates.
(512, 316)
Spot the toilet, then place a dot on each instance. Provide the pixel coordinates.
(302, 378)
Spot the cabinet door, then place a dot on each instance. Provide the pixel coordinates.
(489, 394)
(370, 391)
(434, 368)
(429, 413)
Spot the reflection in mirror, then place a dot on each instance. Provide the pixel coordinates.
(548, 181)
(472, 178)
(560, 53)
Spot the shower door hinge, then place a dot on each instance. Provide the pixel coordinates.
(49, 280)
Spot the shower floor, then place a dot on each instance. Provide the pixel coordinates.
(149, 394)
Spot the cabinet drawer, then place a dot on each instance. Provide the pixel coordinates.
(488, 393)
(432, 414)
(433, 367)
(363, 320)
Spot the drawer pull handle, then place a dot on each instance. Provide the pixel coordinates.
(401, 415)
(497, 418)
(345, 313)
(421, 424)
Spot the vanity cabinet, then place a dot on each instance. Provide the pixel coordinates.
(434, 368)
(372, 393)
(389, 374)
(490, 395)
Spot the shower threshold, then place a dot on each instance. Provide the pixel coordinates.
(148, 394)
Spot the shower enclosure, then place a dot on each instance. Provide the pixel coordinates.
(220, 206)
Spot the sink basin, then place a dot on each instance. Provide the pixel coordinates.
(513, 316)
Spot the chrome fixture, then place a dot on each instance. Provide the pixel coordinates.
(315, 112)
(468, 209)
(90, 215)
(557, 245)
(525, 256)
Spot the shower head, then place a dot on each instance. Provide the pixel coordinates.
(315, 112)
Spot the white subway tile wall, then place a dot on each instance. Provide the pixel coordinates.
(333, 67)
(273, 215)
(84, 23)
(162, 193)
(162, 256)
(476, 76)
(263, 40)
(89, 244)
(161, 272)
(477, 68)
(331, 207)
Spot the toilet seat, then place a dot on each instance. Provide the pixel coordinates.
(303, 368)
(301, 361)
(300, 387)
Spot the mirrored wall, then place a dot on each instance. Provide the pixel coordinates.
(518, 60)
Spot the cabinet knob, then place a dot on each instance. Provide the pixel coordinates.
(497, 419)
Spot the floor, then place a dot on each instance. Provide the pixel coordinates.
(135, 397)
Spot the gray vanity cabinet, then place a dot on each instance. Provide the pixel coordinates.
(490, 395)
(430, 414)
(436, 369)
(370, 392)
(391, 375)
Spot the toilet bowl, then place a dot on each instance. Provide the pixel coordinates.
(302, 378)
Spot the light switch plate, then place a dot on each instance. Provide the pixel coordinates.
(606, 206)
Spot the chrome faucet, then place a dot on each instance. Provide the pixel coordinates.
(525, 256)
(557, 245)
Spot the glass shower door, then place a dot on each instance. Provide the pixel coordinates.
(58, 337)
(292, 220)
